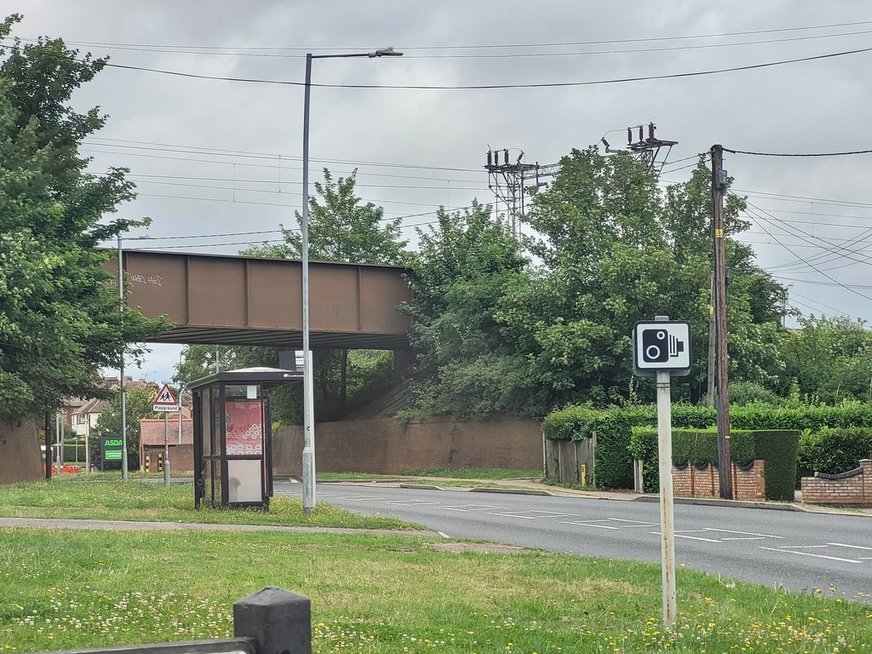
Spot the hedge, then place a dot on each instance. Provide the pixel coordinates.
(579, 422)
(833, 450)
(777, 448)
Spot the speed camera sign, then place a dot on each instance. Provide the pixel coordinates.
(661, 345)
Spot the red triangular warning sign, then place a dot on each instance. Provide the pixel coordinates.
(165, 397)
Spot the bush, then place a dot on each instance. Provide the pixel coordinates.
(700, 447)
(833, 450)
(742, 393)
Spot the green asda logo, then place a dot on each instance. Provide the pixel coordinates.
(113, 442)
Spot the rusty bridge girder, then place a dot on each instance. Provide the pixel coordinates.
(233, 300)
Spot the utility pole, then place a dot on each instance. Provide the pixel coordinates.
(710, 386)
(719, 187)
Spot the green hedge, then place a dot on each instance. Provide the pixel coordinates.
(614, 466)
(833, 450)
(778, 448)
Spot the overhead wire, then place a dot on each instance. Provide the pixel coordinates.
(304, 49)
(484, 87)
(813, 267)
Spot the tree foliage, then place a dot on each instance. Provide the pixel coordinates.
(498, 332)
(61, 320)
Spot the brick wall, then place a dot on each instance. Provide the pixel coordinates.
(749, 485)
(384, 445)
(181, 457)
(855, 490)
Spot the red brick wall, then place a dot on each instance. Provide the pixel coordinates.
(181, 457)
(749, 485)
(383, 445)
(856, 490)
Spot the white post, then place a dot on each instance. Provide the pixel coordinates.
(667, 526)
(88, 443)
(180, 415)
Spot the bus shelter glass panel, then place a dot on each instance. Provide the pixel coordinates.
(244, 419)
(232, 453)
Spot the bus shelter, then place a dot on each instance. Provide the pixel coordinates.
(233, 436)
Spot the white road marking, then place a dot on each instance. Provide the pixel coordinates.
(412, 503)
(744, 533)
(803, 547)
(853, 547)
(443, 534)
(587, 524)
(817, 556)
(526, 515)
(743, 538)
(470, 507)
(678, 535)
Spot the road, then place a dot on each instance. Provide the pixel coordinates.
(796, 550)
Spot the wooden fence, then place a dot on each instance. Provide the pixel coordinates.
(571, 462)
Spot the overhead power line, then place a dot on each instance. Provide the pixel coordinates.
(485, 46)
(484, 87)
(798, 154)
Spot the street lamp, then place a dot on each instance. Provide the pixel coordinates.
(308, 383)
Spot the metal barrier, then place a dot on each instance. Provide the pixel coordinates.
(270, 621)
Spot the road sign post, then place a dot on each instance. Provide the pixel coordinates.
(166, 403)
(661, 348)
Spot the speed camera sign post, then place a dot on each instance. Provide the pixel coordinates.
(661, 348)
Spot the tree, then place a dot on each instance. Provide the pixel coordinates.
(61, 320)
(830, 359)
(463, 268)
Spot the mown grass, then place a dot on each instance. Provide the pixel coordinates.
(390, 594)
(137, 500)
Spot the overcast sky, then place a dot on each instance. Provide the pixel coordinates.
(212, 156)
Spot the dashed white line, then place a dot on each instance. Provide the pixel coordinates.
(743, 533)
(853, 547)
(817, 556)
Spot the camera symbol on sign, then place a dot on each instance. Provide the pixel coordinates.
(658, 346)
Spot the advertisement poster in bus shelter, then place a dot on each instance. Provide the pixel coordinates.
(244, 425)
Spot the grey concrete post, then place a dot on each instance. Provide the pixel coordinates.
(280, 621)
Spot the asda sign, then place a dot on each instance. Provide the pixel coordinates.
(112, 448)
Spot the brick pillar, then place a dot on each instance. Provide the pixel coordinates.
(866, 465)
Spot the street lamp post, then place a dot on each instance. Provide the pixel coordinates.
(308, 382)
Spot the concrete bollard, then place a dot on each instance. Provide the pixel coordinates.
(279, 621)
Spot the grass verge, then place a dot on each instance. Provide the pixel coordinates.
(136, 500)
(65, 589)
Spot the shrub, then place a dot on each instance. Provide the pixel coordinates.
(700, 447)
(833, 450)
(742, 393)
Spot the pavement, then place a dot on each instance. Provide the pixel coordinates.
(532, 487)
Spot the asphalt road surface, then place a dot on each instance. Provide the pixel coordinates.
(796, 550)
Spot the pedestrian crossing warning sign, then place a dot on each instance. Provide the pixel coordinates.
(165, 400)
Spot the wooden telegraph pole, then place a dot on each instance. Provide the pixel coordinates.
(719, 187)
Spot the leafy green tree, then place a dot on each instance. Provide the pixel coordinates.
(464, 266)
(61, 320)
(138, 403)
(829, 359)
